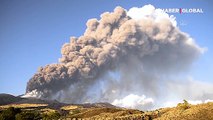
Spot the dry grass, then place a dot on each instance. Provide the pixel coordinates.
(70, 107)
(194, 112)
(183, 111)
(106, 113)
(47, 110)
(25, 105)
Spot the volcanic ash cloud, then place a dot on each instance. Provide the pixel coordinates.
(122, 53)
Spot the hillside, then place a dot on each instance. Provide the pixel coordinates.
(29, 108)
(7, 99)
(194, 112)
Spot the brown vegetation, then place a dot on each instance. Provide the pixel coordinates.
(183, 111)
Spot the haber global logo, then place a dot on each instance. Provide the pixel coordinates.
(183, 10)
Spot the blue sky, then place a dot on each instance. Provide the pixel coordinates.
(33, 31)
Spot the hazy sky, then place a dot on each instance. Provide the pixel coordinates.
(32, 33)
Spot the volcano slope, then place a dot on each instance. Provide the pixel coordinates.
(44, 109)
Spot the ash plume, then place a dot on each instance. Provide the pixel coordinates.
(119, 54)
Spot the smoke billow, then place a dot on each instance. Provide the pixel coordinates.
(121, 54)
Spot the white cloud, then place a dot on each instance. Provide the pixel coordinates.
(170, 104)
(192, 102)
(150, 11)
(134, 101)
(195, 102)
(208, 100)
(32, 94)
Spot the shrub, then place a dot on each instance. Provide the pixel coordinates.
(51, 116)
(28, 115)
(9, 113)
(76, 111)
(185, 105)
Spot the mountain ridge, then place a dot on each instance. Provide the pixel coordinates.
(183, 111)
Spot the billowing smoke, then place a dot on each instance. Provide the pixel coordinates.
(123, 53)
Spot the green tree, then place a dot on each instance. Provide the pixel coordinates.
(9, 113)
(28, 115)
(51, 116)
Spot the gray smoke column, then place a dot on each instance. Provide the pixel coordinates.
(119, 54)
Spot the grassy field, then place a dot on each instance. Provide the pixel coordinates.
(24, 105)
(182, 111)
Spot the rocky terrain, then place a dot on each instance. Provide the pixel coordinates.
(12, 107)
